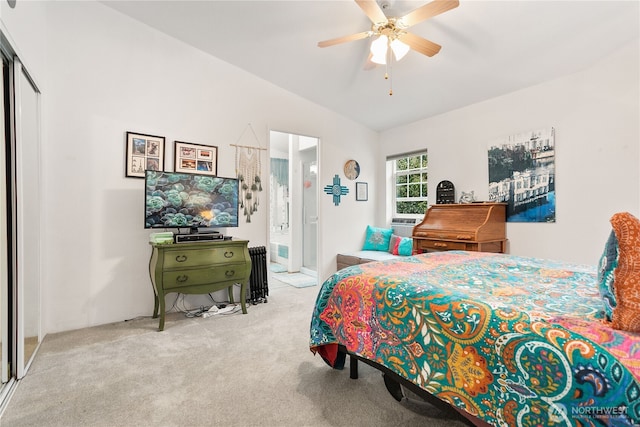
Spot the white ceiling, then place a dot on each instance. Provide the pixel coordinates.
(489, 48)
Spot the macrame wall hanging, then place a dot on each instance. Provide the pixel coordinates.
(249, 173)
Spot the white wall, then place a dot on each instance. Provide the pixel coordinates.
(108, 74)
(25, 26)
(596, 115)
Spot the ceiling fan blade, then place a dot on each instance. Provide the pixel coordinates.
(419, 44)
(372, 10)
(352, 37)
(427, 11)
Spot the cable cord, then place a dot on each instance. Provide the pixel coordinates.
(179, 305)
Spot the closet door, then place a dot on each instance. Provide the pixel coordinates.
(28, 214)
(4, 237)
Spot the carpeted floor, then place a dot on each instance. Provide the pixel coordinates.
(226, 370)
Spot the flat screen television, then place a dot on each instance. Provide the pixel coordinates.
(181, 200)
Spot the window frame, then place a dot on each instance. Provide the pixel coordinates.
(394, 173)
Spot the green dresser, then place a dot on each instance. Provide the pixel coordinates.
(198, 268)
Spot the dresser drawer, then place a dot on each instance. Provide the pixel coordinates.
(196, 257)
(204, 276)
(442, 245)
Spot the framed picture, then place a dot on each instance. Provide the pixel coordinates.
(362, 191)
(351, 169)
(195, 158)
(143, 152)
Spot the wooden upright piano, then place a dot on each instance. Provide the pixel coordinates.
(465, 226)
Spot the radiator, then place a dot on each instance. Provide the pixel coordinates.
(259, 279)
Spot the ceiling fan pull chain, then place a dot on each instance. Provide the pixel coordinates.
(387, 64)
(390, 76)
(386, 67)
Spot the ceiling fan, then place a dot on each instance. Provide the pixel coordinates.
(391, 31)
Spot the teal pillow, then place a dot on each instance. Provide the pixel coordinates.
(377, 239)
(400, 245)
(606, 267)
(405, 248)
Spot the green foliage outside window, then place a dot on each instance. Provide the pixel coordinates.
(411, 184)
(411, 207)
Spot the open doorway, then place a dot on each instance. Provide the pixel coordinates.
(293, 216)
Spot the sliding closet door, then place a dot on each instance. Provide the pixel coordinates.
(28, 213)
(4, 238)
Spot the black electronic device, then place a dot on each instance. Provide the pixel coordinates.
(197, 237)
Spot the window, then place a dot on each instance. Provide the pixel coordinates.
(409, 177)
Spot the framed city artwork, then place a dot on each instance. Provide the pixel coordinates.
(144, 152)
(195, 158)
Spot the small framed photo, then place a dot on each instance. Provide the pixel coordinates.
(195, 158)
(144, 152)
(362, 191)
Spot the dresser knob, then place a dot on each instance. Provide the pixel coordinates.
(228, 254)
(181, 258)
(230, 273)
(182, 278)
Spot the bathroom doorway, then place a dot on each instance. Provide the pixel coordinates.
(293, 217)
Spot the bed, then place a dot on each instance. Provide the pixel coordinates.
(507, 340)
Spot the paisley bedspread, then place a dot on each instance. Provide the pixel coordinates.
(513, 341)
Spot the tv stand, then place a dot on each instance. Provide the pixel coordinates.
(199, 268)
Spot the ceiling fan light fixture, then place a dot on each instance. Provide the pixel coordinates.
(379, 49)
(380, 60)
(399, 49)
(388, 30)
